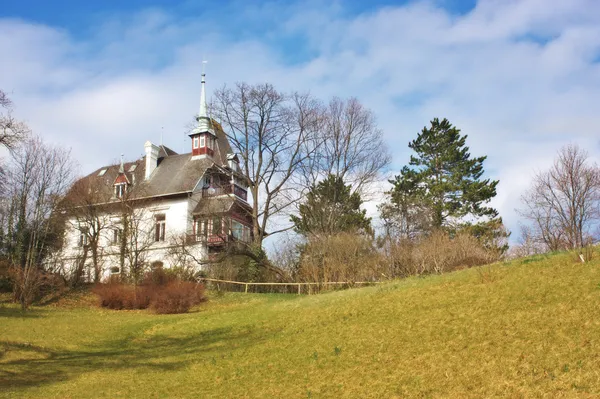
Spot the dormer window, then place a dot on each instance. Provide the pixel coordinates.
(120, 190)
(196, 140)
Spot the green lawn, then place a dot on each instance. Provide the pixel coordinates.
(530, 328)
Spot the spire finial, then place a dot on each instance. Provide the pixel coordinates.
(122, 167)
(204, 122)
(203, 113)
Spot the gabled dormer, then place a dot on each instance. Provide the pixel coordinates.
(203, 136)
(122, 183)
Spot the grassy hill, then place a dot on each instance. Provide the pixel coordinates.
(527, 328)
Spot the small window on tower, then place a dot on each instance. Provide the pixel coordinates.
(196, 142)
(202, 144)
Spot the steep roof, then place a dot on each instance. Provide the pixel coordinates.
(212, 206)
(223, 147)
(174, 174)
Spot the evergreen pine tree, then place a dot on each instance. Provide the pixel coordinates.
(331, 208)
(445, 178)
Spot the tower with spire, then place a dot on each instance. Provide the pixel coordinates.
(203, 136)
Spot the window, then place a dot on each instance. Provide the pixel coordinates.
(237, 230)
(217, 226)
(202, 141)
(102, 172)
(116, 236)
(83, 238)
(196, 142)
(201, 228)
(159, 229)
(120, 190)
(132, 168)
(209, 142)
(115, 270)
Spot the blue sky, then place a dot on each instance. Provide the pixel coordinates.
(520, 77)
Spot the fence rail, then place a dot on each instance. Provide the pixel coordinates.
(299, 285)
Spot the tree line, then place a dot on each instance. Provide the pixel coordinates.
(310, 166)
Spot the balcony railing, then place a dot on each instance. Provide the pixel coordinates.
(210, 240)
(215, 239)
(215, 191)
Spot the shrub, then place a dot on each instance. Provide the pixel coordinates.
(122, 296)
(158, 276)
(440, 253)
(32, 283)
(343, 257)
(177, 297)
(173, 296)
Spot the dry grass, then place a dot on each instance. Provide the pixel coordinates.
(528, 328)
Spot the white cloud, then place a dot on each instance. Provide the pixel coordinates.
(521, 78)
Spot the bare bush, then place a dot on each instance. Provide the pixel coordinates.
(31, 284)
(161, 290)
(119, 296)
(342, 257)
(178, 297)
(439, 253)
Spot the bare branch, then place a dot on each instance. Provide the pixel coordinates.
(563, 204)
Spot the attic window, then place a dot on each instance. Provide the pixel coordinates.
(102, 172)
(132, 168)
(120, 190)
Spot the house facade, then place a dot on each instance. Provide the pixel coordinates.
(162, 209)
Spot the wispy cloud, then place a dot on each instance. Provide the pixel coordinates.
(521, 78)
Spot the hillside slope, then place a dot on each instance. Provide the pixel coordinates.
(527, 328)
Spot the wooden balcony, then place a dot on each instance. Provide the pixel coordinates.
(210, 240)
(227, 189)
(217, 239)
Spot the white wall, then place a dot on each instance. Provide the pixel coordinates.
(178, 220)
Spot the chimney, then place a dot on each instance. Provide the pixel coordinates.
(151, 158)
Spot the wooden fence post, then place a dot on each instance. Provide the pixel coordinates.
(246, 288)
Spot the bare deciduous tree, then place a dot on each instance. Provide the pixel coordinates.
(274, 134)
(90, 218)
(352, 148)
(12, 131)
(138, 233)
(39, 176)
(563, 204)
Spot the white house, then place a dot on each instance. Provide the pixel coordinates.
(146, 211)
